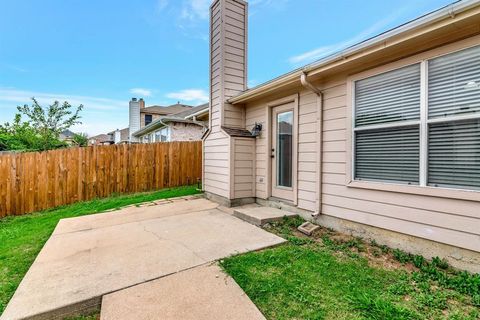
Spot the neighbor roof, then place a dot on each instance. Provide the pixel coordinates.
(102, 138)
(67, 133)
(164, 110)
(192, 111)
(292, 76)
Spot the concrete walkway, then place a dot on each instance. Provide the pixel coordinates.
(201, 293)
(89, 257)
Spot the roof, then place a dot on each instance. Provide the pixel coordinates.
(234, 132)
(101, 138)
(192, 111)
(166, 110)
(67, 134)
(448, 11)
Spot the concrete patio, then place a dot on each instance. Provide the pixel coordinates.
(201, 293)
(89, 257)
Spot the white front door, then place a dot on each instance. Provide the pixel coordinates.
(283, 151)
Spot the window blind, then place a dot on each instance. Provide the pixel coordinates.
(454, 84)
(454, 154)
(388, 155)
(388, 97)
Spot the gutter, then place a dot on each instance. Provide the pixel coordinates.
(318, 194)
(449, 11)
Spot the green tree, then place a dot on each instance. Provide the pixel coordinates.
(19, 136)
(80, 139)
(49, 122)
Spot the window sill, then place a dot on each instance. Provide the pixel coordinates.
(469, 195)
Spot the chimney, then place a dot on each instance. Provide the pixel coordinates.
(134, 118)
(228, 61)
(117, 137)
(142, 103)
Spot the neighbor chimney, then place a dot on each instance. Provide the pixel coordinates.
(117, 137)
(134, 118)
(228, 61)
(142, 103)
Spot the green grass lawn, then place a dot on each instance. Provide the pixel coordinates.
(22, 237)
(338, 277)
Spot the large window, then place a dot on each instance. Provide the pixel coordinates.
(420, 124)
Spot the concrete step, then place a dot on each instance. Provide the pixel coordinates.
(262, 215)
(201, 293)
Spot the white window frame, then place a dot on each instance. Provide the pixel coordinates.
(388, 125)
(423, 124)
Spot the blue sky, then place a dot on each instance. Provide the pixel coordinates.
(101, 53)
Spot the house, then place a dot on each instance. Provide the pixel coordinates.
(101, 140)
(120, 136)
(188, 125)
(381, 140)
(141, 116)
(67, 136)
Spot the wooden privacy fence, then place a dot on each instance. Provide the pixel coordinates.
(36, 181)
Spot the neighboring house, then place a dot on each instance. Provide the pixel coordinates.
(67, 136)
(101, 140)
(120, 136)
(187, 125)
(381, 139)
(141, 116)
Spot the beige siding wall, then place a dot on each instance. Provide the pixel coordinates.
(452, 221)
(216, 164)
(216, 171)
(257, 112)
(442, 215)
(435, 217)
(235, 60)
(228, 78)
(215, 68)
(307, 151)
(243, 169)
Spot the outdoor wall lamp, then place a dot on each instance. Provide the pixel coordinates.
(257, 129)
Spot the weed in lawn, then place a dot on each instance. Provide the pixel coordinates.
(379, 308)
(335, 276)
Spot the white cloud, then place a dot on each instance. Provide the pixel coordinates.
(141, 92)
(268, 3)
(21, 97)
(199, 9)
(161, 4)
(195, 96)
(195, 9)
(99, 115)
(15, 68)
(326, 50)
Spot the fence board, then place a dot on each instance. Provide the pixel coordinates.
(37, 181)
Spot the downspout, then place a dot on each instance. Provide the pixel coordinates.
(308, 85)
